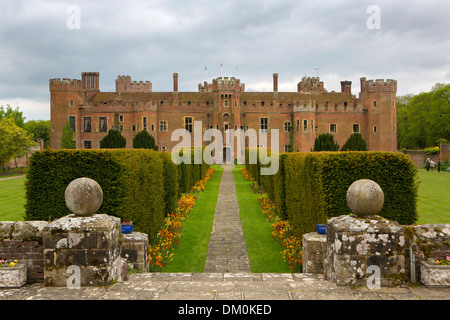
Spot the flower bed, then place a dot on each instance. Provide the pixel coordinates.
(168, 238)
(281, 231)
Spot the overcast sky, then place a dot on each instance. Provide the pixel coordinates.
(150, 40)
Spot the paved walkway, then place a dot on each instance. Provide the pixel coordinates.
(224, 286)
(227, 251)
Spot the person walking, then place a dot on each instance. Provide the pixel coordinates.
(427, 165)
(439, 165)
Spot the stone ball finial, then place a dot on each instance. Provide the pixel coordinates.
(84, 196)
(365, 197)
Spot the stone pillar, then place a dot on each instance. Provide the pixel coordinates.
(314, 252)
(365, 249)
(135, 250)
(83, 248)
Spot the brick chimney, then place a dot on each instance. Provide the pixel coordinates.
(175, 82)
(346, 86)
(275, 82)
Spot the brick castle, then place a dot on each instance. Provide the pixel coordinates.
(224, 104)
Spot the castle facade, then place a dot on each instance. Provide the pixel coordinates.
(224, 104)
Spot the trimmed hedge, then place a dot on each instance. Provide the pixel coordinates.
(311, 187)
(140, 185)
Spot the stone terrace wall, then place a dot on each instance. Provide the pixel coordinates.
(23, 241)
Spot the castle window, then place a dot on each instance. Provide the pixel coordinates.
(316, 128)
(374, 104)
(71, 103)
(345, 103)
(144, 123)
(263, 124)
(355, 128)
(245, 103)
(162, 102)
(207, 103)
(312, 125)
(153, 127)
(287, 147)
(53, 103)
(103, 124)
(53, 128)
(262, 103)
(305, 125)
(235, 104)
(72, 123)
(188, 124)
(87, 144)
(133, 127)
(333, 127)
(298, 125)
(163, 126)
(121, 128)
(374, 129)
(189, 102)
(121, 118)
(287, 126)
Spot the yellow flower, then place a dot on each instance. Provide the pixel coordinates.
(12, 264)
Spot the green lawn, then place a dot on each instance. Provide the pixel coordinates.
(190, 256)
(434, 197)
(263, 251)
(12, 199)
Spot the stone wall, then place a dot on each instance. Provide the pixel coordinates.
(352, 245)
(23, 241)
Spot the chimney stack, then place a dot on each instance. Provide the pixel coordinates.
(175, 82)
(275, 82)
(346, 86)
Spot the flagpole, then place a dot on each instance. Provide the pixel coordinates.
(221, 69)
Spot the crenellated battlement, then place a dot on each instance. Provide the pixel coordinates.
(65, 84)
(125, 84)
(228, 84)
(378, 85)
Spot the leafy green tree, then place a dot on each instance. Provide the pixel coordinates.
(424, 119)
(113, 140)
(12, 113)
(325, 142)
(40, 129)
(355, 143)
(144, 140)
(14, 141)
(67, 138)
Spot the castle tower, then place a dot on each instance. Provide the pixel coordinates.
(379, 100)
(66, 99)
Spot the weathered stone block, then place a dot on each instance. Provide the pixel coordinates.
(356, 245)
(314, 252)
(135, 250)
(91, 243)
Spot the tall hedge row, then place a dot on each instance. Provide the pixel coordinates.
(140, 185)
(310, 187)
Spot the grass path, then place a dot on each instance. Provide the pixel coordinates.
(12, 199)
(190, 255)
(433, 205)
(263, 251)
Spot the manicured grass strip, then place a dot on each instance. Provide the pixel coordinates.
(433, 205)
(190, 255)
(263, 251)
(12, 199)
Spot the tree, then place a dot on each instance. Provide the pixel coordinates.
(325, 142)
(144, 140)
(14, 141)
(423, 119)
(113, 140)
(67, 138)
(40, 129)
(355, 143)
(12, 113)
